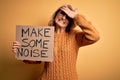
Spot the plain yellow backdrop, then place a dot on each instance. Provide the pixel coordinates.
(100, 61)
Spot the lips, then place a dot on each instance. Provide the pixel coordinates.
(61, 21)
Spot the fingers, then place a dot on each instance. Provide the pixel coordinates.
(65, 9)
(68, 8)
(16, 45)
(69, 11)
(14, 50)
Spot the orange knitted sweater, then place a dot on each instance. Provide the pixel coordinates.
(66, 50)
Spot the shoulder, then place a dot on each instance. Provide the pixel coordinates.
(76, 31)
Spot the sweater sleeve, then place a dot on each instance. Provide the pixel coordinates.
(89, 34)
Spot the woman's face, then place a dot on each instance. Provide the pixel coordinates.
(61, 19)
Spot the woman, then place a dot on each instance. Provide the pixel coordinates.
(67, 43)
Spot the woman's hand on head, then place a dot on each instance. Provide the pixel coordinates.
(69, 12)
(15, 45)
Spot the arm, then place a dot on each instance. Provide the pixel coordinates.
(89, 34)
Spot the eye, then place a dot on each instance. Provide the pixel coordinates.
(64, 14)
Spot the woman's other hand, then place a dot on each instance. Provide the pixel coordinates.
(15, 45)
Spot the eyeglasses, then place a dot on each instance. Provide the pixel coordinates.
(64, 14)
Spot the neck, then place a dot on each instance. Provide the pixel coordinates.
(60, 30)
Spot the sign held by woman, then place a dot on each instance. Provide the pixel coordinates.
(37, 43)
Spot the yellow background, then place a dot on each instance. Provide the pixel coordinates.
(100, 61)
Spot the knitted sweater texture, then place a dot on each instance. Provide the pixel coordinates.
(64, 65)
(66, 50)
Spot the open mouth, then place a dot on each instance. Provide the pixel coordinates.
(61, 21)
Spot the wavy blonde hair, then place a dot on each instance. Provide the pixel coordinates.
(71, 24)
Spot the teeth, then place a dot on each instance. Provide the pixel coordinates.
(61, 21)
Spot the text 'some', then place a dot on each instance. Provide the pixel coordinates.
(37, 43)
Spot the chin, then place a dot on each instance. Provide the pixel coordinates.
(62, 26)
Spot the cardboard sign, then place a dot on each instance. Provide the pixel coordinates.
(37, 43)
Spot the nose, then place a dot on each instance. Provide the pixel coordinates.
(64, 16)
